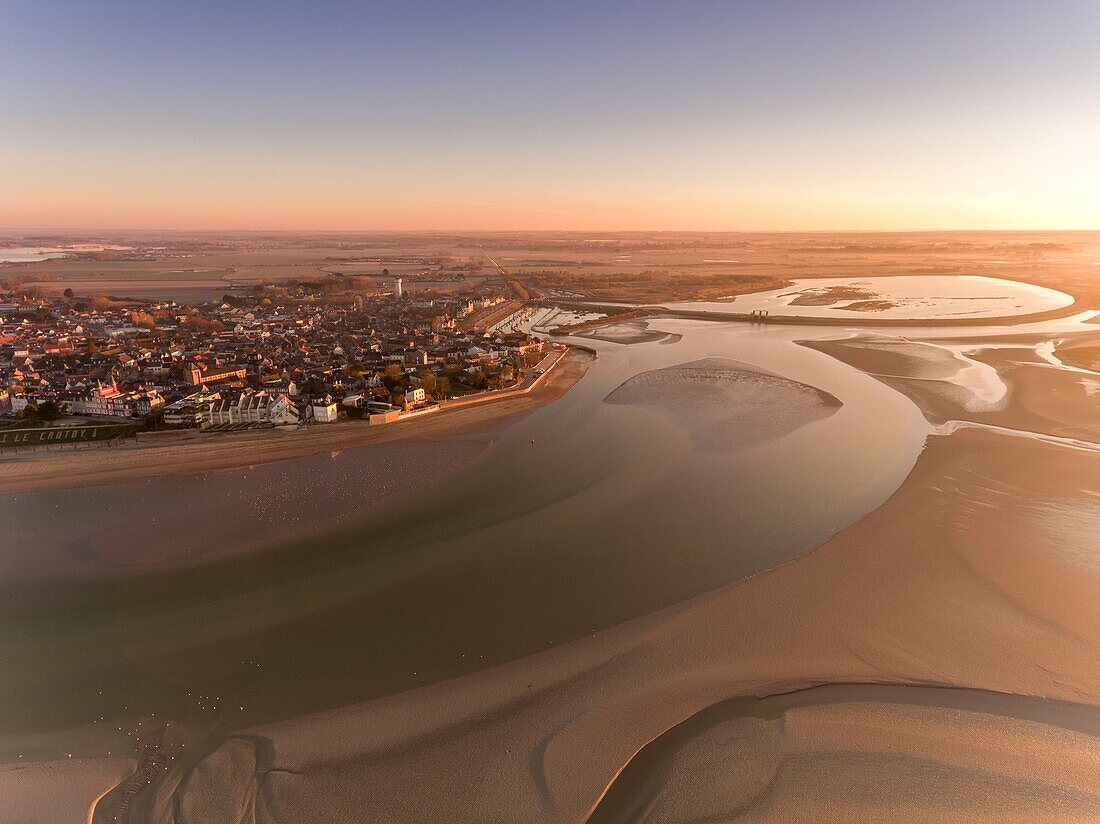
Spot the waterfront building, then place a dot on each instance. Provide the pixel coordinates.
(189, 410)
(251, 406)
(324, 409)
(109, 401)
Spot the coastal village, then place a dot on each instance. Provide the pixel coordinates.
(285, 355)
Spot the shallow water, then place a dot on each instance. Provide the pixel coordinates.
(37, 254)
(610, 513)
(909, 297)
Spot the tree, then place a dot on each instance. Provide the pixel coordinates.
(442, 387)
(391, 379)
(428, 384)
(142, 318)
(45, 411)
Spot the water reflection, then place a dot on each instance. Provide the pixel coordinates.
(905, 296)
(582, 515)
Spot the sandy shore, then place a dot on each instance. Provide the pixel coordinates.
(777, 758)
(1008, 385)
(956, 581)
(977, 575)
(33, 471)
(937, 660)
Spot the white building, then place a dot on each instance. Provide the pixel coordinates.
(324, 409)
(110, 402)
(253, 407)
(191, 410)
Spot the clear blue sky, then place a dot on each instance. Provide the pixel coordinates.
(710, 115)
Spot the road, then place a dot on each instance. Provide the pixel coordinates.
(492, 260)
(523, 291)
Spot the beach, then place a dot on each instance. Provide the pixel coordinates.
(929, 655)
(950, 584)
(1006, 383)
(550, 413)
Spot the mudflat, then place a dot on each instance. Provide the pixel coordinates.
(934, 659)
(951, 583)
(726, 405)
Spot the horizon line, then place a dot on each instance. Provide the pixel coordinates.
(552, 231)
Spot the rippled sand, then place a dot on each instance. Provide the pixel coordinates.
(937, 660)
(629, 333)
(726, 405)
(958, 580)
(1005, 383)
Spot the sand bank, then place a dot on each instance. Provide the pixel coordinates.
(979, 573)
(1008, 384)
(56, 791)
(865, 753)
(628, 332)
(23, 472)
(724, 404)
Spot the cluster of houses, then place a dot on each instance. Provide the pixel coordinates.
(262, 357)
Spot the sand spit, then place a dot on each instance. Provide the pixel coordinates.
(978, 573)
(891, 357)
(631, 332)
(24, 472)
(725, 404)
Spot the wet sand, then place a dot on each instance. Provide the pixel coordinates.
(57, 791)
(936, 660)
(194, 453)
(630, 332)
(1007, 383)
(726, 405)
(829, 295)
(872, 752)
(958, 580)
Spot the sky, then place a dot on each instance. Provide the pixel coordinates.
(782, 115)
